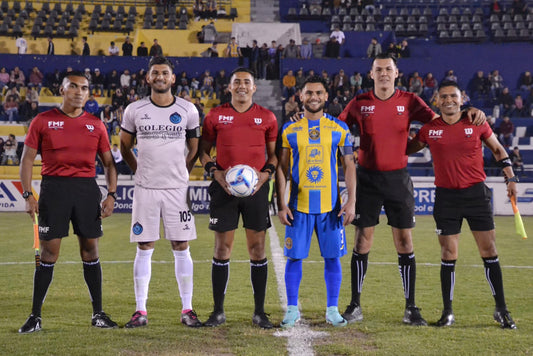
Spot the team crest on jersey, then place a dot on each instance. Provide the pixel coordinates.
(258, 120)
(314, 133)
(400, 109)
(175, 118)
(314, 154)
(56, 125)
(137, 229)
(314, 174)
(89, 127)
(288, 243)
(469, 131)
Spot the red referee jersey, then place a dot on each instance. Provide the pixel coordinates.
(457, 151)
(384, 127)
(68, 145)
(240, 138)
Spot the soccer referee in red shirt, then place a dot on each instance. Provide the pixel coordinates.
(68, 139)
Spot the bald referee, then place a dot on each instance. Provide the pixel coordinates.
(68, 139)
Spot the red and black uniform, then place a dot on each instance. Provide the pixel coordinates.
(240, 138)
(457, 151)
(68, 148)
(382, 178)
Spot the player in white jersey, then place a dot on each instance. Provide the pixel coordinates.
(167, 130)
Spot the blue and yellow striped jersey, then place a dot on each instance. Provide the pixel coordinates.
(313, 169)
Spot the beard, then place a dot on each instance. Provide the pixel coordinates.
(314, 111)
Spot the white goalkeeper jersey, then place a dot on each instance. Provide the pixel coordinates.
(161, 141)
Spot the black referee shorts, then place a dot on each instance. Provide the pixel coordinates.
(224, 209)
(69, 199)
(454, 205)
(392, 190)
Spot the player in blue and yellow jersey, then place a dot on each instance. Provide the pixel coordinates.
(308, 158)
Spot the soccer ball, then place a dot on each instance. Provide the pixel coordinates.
(242, 180)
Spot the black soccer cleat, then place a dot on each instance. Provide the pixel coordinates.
(413, 317)
(503, 317)
(190, 319)
(137, 320)
(353, 313)
(215, 319)
(447, 319)
(32, 324)
(261, 320)
(101, 320)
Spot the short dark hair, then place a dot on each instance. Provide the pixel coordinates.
(316, 79)
(160, 60)
(449, 83)
(242, 70)
(384, 55)
(73, 73)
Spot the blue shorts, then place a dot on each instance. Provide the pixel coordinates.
(329, 231)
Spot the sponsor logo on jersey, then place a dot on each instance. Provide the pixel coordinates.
(288, 243)
(137, 228)
(435, 134)
(400, 109)
(314, 154)
(145, 117)
(56, 125)
(314, 174)
(258, 120)
(368, 109)
(469, 131)
(175, 118)
(225, 119)
(314, 133)
(186, 227)
(89, 127)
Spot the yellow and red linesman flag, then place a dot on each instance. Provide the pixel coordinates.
(518, 223)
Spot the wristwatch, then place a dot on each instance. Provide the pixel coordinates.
(513, 179)
(26, 194)
(113, 195)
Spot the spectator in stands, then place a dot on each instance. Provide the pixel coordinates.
(142, 50)
(134, 81)
(119, 115)
(506, 131)
(225, 96)
(28, 110)
(496, 83)
(506, 102)
(200, 107)
(210, 52)
(289, 84)
(416, 84)
(4, 78)
(97, 82)
(233, 50)
(318, 49)
(127, 47)
(338, 34)
(403, 50)
(17, 78)
(221, 82)
(91, 106)
(263, 61)
(113, 50)
(10, 151)
(465, 97)
(334, 108)
(369, 6)
(254, 59)
(51, 47)
(430, 84)
(450, 75)
(300, 78)
(113, 82)
(108, 118)
(519, 109)
(526, 81)
(392, 50)
(132, 96)
(518, 7)
(291, 108)
(1, 148)
(340, 82)
(356, 82)
(480, 84)
(495, 7)
(195, 86)
(156, 50)
(221, 12)
(118, 99)
(344, 97)
(291, 51)
(142, 88)
(36, 79)
(208, 83)
(401, 82)
(183, 83)
(198, 10)
(272, 70)
(11, 108)
(125, 80)
(210, 10)
(374, 48)
(518, 162)
(333, 48)
(54, 81)
(21, 44)
(32, 95)
(306, 50)
(209, 32)
(13, 92)
(86, 51)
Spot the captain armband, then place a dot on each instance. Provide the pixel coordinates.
(193, 133)
(506, 162)
(346, 150)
